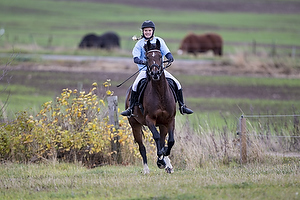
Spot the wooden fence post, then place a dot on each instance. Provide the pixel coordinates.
(114, 120)
(113, 111)
(243, 140)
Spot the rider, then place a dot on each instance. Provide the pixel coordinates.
(138, 52)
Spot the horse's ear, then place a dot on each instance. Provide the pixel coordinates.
(147, 46)
(157, 44)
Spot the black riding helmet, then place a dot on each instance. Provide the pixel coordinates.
(148, 24)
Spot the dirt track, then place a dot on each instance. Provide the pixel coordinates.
(119, 69)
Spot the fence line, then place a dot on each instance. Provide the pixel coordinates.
(243, 133)
(279, 136)
(260, 116)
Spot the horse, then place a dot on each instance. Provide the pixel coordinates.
(108, 41)
(194, 44)
(159, 110)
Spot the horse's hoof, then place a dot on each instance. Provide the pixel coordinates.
(169, 170)
(146, 169)
(161, 164)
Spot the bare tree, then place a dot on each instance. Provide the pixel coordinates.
(5, 78)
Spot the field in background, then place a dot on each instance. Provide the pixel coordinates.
(58, 26)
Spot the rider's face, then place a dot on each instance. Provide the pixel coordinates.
(148, 32)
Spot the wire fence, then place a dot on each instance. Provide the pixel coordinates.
(268, 137)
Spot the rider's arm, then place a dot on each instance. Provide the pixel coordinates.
(137, 53)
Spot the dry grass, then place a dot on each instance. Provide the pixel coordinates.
(264, 64)
(208, 147)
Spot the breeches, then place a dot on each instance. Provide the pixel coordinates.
(143, 74)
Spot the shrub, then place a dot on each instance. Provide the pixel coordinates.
(73, 128)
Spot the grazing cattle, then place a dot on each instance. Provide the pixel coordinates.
(89, 41)
(107, 41)
(193, 43)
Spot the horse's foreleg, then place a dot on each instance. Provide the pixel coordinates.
(160, 155)
(156, 137)
(171, 142)
(169, 167)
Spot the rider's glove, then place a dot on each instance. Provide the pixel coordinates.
(139, 61)
(169, 56)
(145, 63)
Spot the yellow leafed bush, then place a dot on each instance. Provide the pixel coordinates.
(74, 127)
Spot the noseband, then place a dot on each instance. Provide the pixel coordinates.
(155, 70)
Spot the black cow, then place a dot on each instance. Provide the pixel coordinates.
(107, 41)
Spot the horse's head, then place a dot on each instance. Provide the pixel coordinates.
(154, 59)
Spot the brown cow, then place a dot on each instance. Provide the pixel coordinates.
(217, 43)
(193, 43)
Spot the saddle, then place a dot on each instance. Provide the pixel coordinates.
(142, 86)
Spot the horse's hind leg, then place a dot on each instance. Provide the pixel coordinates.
(138, 136)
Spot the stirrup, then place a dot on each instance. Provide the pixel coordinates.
(184, 110)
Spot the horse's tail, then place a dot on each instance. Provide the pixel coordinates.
(127, 95)
(143, 128)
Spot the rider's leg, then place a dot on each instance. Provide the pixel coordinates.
(134, 95)
(182, 107)
(132, 101)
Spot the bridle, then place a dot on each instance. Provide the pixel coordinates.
(155, 70)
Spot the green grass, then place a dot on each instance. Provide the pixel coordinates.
(69, 181)
(65, 22)
(21, 98)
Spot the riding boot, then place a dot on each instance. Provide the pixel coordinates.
(132, 101)
(182, 107)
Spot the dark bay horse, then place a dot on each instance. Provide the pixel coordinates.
(159, 110)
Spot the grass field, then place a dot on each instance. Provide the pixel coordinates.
(70, 181)
(45, 24)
